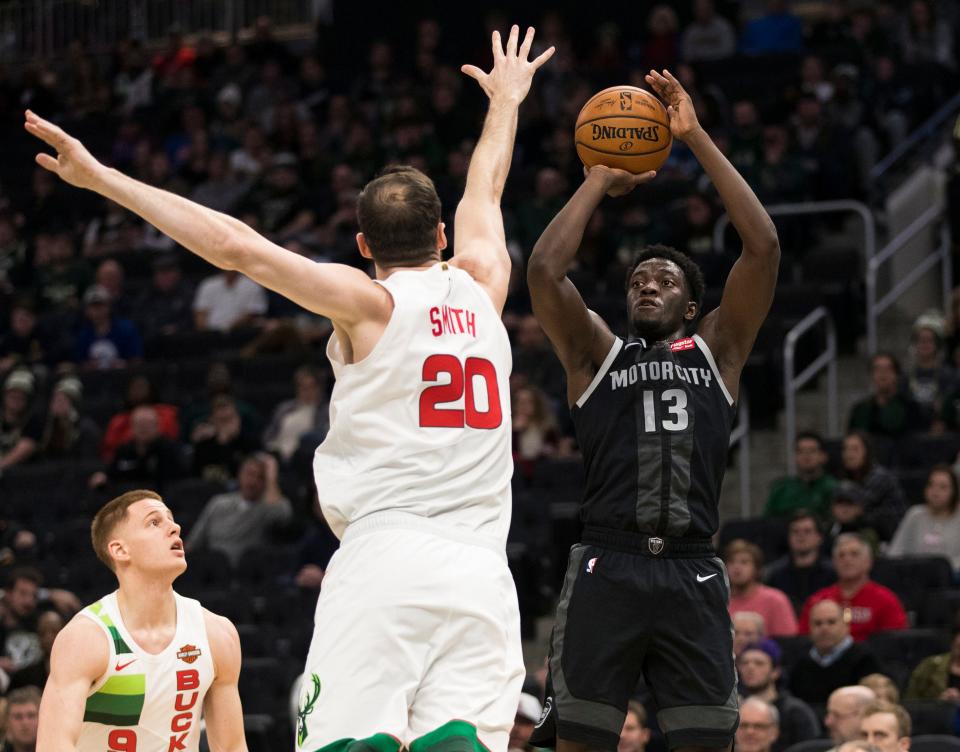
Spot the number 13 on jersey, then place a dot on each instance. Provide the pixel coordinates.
(463, 380)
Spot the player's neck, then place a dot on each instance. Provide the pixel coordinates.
(385, 271)
(146, 603)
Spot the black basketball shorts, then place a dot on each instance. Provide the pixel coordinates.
(622, 614)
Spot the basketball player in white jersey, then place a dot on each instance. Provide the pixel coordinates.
(416, 638)
(134, 671)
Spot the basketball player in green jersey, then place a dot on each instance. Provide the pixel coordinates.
(134, 671)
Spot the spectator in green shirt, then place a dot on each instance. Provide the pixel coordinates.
(811, 488)
(887, 411)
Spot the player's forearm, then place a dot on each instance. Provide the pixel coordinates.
(555, 251)
(210, 234)
(491, 159)
(747, 214)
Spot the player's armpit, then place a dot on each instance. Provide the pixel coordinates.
(80, 656)
(480, 246)
(221, 706)
(732, 328)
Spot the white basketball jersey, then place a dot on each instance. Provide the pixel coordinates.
(145, 702)
(422, 424)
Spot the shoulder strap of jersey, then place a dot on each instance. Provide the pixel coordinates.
(99, 613)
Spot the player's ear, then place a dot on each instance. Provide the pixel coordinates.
(362, 245)
(118, 550)
(441, 236)
(691, 312)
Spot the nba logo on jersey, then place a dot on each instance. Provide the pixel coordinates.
(591, 564)
(686, 343)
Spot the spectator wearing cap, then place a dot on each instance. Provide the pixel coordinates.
(835, 660)
(759, 726)
(848, 513)
(932, 528)
(67, 432)
(222, 189)
(20, 426)
(709, 37)
(810, 488)
(280, 203)
(804, 569)
(937, 677)
(528, 714)
(758, 666)
(887, 411)
(105, 341)
(868, 606)
(165, 307)
(744, 562)
(930, 378)
(228, 300)
(635, 734)
(884, 503)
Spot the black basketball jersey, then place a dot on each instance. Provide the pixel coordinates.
(654, 428)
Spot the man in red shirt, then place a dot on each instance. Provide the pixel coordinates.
(867, 606)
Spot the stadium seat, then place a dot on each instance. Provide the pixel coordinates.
(934, 743)
(256, 641)
(908, 646)
(931, 716)
(939, 608)
(207, 569)
(811, 745)
(922, 452)
(265, 566)
(913, 483)
(191, 494)
(911, 576)
(219, 600)
(265, 684)
(770, 533)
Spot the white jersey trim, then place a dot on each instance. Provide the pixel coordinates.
(713, 366)
(601, 371)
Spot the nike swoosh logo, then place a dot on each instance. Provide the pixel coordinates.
(122, 666)
(700, 578)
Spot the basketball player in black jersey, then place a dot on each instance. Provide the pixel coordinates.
(644, 592)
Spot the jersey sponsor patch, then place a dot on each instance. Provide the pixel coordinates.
(687, 343)
(188, 653)
(591, 564)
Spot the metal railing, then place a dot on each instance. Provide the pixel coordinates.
(43, 29)
(812, 207)
(939, 255)
(792, 382)
(918, 139)
(741, 435)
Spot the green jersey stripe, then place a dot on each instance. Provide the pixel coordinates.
(116, 704)
(454, 736)
(119, 645)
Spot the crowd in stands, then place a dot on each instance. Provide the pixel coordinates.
(126, 362)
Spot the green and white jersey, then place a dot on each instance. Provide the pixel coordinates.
(146, 702)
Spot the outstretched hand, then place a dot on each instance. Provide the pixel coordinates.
(618, 182)
(683, 117)
(73, 162)
(512, 73)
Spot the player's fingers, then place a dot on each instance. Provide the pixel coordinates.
(512, 41)
(44, 134)
(670, 77)
(671, 111)
(645, 177)
(497, 46)
(527, 43)
(48, 162)
(473, 71)
(543, 57)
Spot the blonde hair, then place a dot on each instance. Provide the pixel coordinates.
(110, 515)
(882, 686)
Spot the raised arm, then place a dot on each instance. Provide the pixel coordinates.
(221, 707)
(337, 291)
(731, 329)
(80, 656)
(581, 339)
(480, 243)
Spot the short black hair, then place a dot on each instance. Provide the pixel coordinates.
(691, 271)
(805, 514)
(809, 436)
(894, 360)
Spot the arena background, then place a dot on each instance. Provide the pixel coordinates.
(841, 115)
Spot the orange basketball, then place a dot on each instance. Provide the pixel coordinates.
(623, 127)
